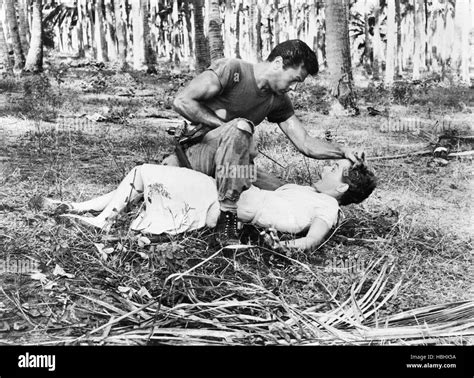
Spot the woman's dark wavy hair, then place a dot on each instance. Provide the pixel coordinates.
(294, 52)
(361, 182)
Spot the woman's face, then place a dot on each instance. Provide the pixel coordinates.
(331, 176)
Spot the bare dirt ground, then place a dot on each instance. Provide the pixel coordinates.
(76, 132)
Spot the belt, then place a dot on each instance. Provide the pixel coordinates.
(184, 138)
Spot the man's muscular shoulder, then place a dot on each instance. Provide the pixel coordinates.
(229, 63)
(228, 71)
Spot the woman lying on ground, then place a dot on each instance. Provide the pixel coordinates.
(179, 199)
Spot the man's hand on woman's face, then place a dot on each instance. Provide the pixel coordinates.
(357, 157)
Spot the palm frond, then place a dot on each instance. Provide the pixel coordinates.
(265, 318)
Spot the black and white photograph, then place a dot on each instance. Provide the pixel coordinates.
(202, 173)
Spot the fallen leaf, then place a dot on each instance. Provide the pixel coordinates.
(34, 312)
(50, 285)
(4, 327)
(72, 313)
(103, 252)
(143, 241)
(300, 278)
(20, 326)
(441, 162)
(46, 312)
(143, 255)
(123, 289)
(96, 117)
(121, 248)
(58, 271)
(143, 292)
(44, 238)
(40, 277)
(100, 249)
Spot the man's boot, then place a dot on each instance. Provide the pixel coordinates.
(226, 228)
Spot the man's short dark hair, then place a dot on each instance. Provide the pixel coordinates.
(294, 52)
(361, 182)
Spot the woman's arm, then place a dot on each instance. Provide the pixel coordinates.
(316, 234)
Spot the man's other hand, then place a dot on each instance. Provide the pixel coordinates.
(357, 157)
(271, 239)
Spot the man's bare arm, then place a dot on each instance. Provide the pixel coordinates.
(314, 147)
(188, 101)
(316, 234)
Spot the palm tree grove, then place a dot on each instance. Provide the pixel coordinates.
(236, 172)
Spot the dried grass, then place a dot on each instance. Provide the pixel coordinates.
(227, 321)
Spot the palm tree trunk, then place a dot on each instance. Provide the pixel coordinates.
(437, 42)
(4, 60)
(110, 31)
(270, 32)
(255, 31)
(407, 41)
(174, 32)
(150, 56)
(426, 60)
(252, 29)
(34, 60)
(305, 27)
(216, 44)
(15, 35)
(138, 20)
(168, 39)
(399, 60)
(276, 22)
(312, 27)
(321, 36)
(99, 31)
(80, 29)
(418, 56)
(90, 28)
(119, 10)
(23, 26)
(67, 36)
(258, 32)
(391, 43)
(377, 43)
(289, 29)
(229, 46)
(339, 55)
(462, 11)
(162, 39)
(368, 50)
(187, 30)
(238, 12)
(201, 47)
